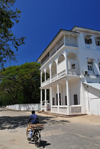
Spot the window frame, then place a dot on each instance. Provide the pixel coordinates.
(90, 65)
(98, 42)
(75, 99)
(88, 40)
(73, 66)
(99, 65)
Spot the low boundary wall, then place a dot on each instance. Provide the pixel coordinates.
(27, 107)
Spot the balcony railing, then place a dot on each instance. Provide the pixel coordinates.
(46, 82)
(75, 109)
(61, 73)
(73, 72)
(54, 77)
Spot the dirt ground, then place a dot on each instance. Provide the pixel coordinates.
(59, 131)
(84, 119)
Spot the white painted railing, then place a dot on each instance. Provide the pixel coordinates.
(54, 77)
(73, 72)
(47, 81)
(43, 83)
(54, 109)
(61, 73)
(75, 109)
(63, 109)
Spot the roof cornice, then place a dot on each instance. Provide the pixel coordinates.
(61, 32)
(78, 28)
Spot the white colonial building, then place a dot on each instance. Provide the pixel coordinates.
(70, 70)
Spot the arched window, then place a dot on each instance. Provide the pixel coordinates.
(72, 56)
(72, 61)
(61, 58)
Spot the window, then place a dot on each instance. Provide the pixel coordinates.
(58, 99)
(88, 41)
(99, 65)
(98, 42)
(75, 99)
(90, 66)
(73, 66)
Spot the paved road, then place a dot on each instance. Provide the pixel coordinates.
(59, 133)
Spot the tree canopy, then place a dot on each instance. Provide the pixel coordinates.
(20, 84)
(8, 17)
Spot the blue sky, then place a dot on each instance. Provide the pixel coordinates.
(42, 19)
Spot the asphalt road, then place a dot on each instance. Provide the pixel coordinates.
(59, 133)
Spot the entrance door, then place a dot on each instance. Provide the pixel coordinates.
(59, 98)
(56, 99)
(65, 100)
(75, 99)
(53, 102)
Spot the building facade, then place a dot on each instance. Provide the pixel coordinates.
(70, 72)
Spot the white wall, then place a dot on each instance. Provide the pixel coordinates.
(61, 66)
(85, 53)
(63, 93)
(26, 107)
(92, 100)
(74, 88)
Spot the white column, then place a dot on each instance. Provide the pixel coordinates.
(41, 99)
(45, 99)
(41, 77)
(50, 72)
(93, 45)
(57, 66)
(67, 93)
(51, 97)
(45, 74)
(66, 62)
(81, 96)
(58, 95)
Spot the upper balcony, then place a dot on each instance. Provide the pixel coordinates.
(65, 40)
(58, 69)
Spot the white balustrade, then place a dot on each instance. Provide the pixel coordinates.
(61, 73)
(54, 77)
(75, 109)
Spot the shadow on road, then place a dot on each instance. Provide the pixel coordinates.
(43, 144)
(7, 122)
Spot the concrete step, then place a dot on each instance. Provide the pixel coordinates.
(62, 115)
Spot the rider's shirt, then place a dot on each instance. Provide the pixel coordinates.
(33, 119)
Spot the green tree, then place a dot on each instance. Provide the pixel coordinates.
(8, 17)
(20, 84)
